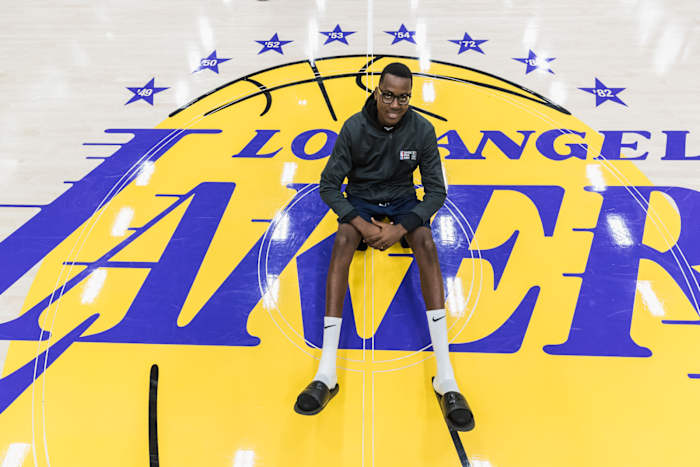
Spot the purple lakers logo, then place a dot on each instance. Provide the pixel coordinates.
(203, 246)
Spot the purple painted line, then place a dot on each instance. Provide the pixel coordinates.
(115, 264)
(22, 205)
(693, 375)
(261, 220)
(671, 321)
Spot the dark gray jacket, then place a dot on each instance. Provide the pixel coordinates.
(379, 164)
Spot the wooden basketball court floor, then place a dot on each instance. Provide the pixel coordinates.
(164, 249)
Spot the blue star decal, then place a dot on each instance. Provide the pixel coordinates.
(402, 34)
(211, 62)
(533, 63)
(603, 93)
(467, 43)
(273, 44)
(146, 93)
(337, 34)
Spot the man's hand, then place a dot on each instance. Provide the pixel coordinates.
(366, 229)
(387, 235)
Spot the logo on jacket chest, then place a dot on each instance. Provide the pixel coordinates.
(407, 156)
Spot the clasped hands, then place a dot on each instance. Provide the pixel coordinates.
(381, 235)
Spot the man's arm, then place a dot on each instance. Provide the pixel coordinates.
(337, 168)
(430, 167)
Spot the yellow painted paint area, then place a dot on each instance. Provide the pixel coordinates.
(531, 408)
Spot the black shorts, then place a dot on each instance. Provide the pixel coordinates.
(394, 210)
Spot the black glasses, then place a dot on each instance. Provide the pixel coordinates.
(388, 97)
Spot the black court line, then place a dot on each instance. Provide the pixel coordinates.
(461, 453)
(323, 90)
(317, 79)
(539, 98)
(357, 74)
(268, 97)
(463, 459)
(430, 114)
(363, 72)
(282, 86)
(153, 418)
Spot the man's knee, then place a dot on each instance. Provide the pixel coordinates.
(347, 237)
(421, 240)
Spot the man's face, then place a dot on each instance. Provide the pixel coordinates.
(396, 86)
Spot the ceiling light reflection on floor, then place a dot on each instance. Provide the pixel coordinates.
(281, 232)
(16, 454)
(288, 173)
(595, 176)
(651, 300)
(93, 286)
(455, 297)
(244, 458)
(122, 222)
(272, 292)
(619, 231)
(147, 169)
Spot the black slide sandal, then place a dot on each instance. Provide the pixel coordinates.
(454, 405)
(316, 392)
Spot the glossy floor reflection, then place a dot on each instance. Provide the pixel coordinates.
(164, 248)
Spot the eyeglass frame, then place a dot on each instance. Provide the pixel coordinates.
(394, 96)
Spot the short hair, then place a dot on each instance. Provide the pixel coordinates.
(396, 69)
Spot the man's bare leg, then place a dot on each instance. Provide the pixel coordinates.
(346, 241)
(425, 252)
(453, 404)
(324, 385)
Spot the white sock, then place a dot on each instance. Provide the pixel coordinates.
(331, 336)
(437, 325)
